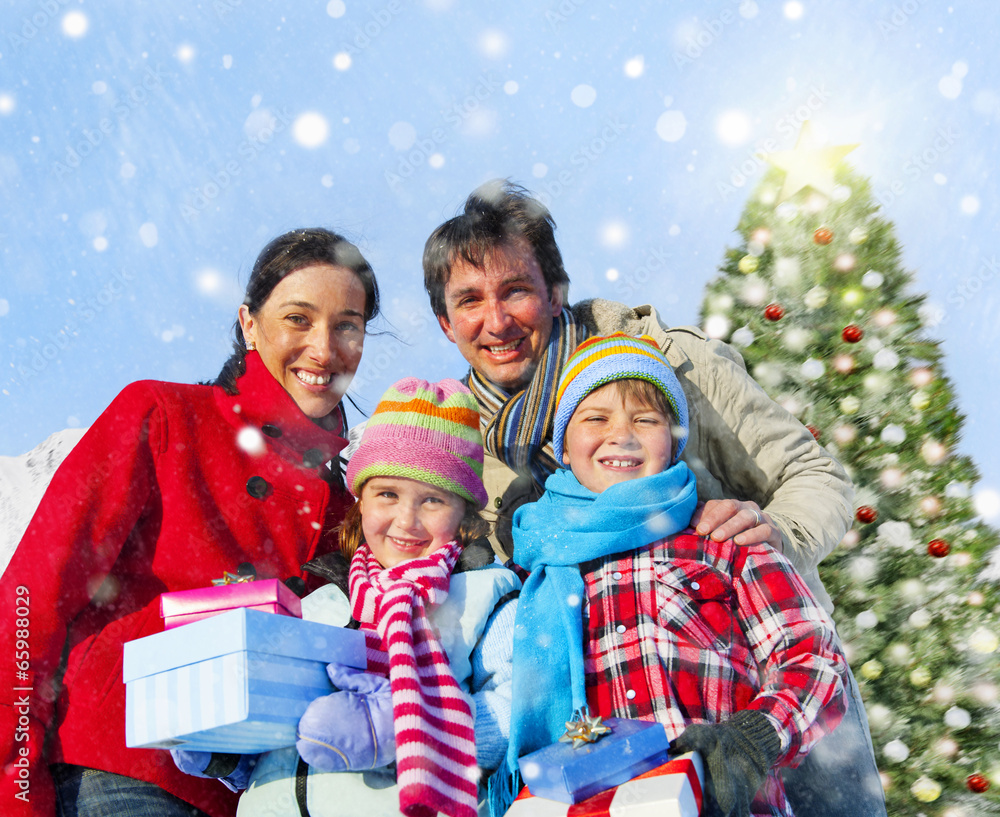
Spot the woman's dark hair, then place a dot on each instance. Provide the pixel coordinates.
(283, 256)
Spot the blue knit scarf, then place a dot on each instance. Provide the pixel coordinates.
(569, 525)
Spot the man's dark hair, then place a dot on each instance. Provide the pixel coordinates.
(497, 214)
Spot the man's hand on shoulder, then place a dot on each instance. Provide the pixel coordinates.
(743, 522)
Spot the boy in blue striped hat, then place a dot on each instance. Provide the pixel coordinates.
(628, 612)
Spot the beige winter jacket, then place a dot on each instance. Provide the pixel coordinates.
(741, 445)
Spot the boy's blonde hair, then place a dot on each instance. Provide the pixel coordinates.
(646, 394)
(617, 357)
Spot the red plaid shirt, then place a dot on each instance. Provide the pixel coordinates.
(688, 630)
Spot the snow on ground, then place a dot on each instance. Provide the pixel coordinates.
(23, 481)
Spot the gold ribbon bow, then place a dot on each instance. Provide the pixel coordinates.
(585, 729)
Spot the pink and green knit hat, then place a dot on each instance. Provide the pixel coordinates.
(423, 431)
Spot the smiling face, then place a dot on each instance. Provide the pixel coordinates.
(310, 333)
(404, 519)
(614, 438)
(501, 316)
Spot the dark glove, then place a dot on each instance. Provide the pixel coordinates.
(738, 754)
(352, 729)
(233, 770)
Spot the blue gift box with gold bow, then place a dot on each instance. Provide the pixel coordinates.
(583, 763)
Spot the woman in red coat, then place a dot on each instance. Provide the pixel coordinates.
(172, 486)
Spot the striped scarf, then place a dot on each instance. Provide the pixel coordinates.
(519, 426)
(435, 745)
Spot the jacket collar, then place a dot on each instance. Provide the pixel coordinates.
(263, 404)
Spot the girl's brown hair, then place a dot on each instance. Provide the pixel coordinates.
(472, 527)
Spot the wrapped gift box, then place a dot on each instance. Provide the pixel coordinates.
(269, 595)
(235, 682)
(562, 772)
(671, 790)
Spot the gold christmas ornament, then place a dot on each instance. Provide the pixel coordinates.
(877, 383)
(920, 677)
(984, 641)
(920, 400)
(852, 297)
(850, 404)
(748, 264)
(871, 670)
(859, 235)
(925, 789)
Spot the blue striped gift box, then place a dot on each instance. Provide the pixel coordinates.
(235, 682)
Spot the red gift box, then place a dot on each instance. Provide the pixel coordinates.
(268, 595)
(671, 790)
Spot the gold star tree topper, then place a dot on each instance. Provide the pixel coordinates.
(808, 165)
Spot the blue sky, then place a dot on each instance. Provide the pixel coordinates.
(148, 151)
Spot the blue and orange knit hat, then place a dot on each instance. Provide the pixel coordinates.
(423, 431)
(603, 359)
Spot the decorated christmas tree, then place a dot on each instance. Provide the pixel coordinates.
(816, 299)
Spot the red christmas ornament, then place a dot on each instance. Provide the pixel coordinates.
(852, 333)
(977, 783)
(824, 235)
(938, 548)
(866, 514)
(814, 431)
(774, 312)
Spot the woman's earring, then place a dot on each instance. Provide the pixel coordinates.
(251, 346)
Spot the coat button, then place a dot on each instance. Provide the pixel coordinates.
(271, 430)
(313, 458)
(498, 502)
(257, 487)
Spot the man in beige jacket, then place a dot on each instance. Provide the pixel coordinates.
(497, 285)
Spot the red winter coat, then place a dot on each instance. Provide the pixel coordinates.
(172, 485)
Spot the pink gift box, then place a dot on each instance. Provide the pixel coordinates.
(671, 790)
(268, 595)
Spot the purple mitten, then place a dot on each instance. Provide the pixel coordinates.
(233, 770)
(350, 730)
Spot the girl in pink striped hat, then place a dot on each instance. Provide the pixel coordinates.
(419, 731)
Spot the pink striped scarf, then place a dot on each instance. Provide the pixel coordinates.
(435, 745)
